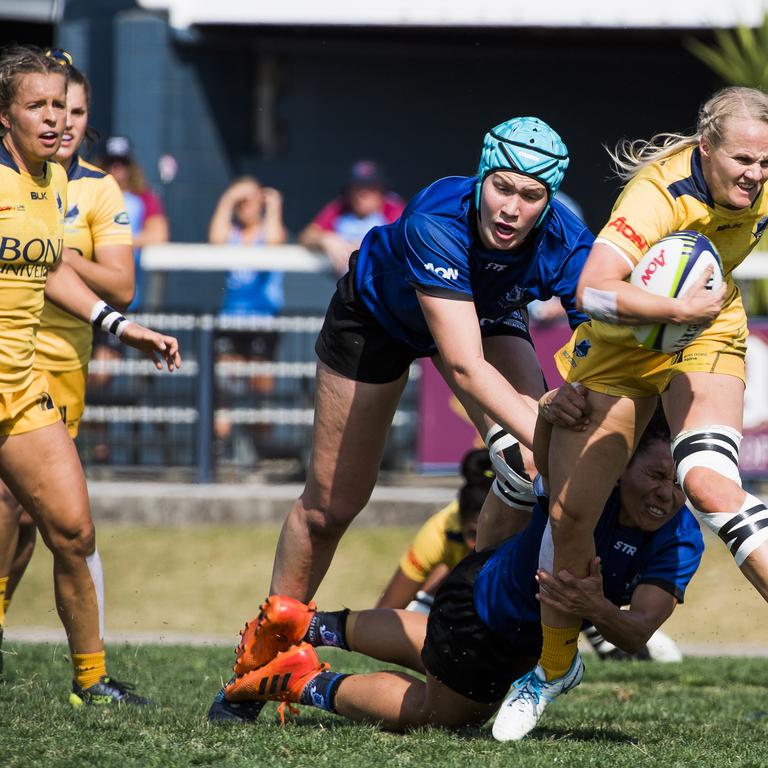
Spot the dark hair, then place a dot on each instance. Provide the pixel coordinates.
(78, 77)
(657, 430)
(22, 60)
(478, 475)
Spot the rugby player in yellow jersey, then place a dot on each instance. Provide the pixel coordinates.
(444, 540)
(713, 182)
(97, 244)
(38, 460)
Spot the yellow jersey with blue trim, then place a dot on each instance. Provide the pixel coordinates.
(31, 241)
(438, 541)
(95, 216)
(671, 195)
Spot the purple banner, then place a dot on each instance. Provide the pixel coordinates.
(445, 432)
(754, 447)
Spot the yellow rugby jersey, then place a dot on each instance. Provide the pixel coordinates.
(95, 216)
(438, 541)
(31, 240)
(670, 195)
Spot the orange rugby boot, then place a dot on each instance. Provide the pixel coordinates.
(281, 623)
(282, 679)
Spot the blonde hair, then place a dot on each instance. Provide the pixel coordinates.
(629, 157)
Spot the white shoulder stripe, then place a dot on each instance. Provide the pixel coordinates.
(618, 250)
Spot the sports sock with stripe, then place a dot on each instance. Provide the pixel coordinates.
(328, 628)
(89, 668)
(559, 649)
(320, 691)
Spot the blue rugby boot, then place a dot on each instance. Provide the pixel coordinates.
(223, 711)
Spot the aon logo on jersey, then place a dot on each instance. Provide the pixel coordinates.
(448, 273)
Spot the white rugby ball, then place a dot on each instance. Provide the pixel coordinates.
(669, 268)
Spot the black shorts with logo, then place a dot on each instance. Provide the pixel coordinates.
(465, 654)
(353, 343)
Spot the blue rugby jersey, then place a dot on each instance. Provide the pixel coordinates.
(435, 247)
(505, 589)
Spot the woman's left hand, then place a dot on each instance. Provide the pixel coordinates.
(566, 406)
(154, 345)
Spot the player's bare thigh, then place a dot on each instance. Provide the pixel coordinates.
(43, 470)
(352, 420)
(584, 466)
(701, 399)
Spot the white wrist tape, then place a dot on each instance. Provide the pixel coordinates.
(108, 319)
(600, 305)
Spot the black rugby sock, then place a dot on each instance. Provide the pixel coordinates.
(328, 628)
(320, 691)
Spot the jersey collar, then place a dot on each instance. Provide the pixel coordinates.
(6, 159)
(73, 166)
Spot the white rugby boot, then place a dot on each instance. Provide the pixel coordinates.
(529, 697)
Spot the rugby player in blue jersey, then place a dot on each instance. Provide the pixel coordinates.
(451, 280)
(484, 628)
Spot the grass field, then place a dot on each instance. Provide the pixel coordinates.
(698, 713)
(208, 580)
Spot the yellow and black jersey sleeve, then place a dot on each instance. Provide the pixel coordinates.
(95, 217)
(438, 541)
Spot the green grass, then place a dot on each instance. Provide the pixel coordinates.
(205, 580)
(703, 712)
(208, 580)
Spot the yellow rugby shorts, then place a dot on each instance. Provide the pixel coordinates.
(620, 367)
(27, 409)
(67, 388)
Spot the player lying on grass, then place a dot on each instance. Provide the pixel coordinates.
(484, 629)
(449, 536)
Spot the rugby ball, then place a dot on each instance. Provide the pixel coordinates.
(669, 268)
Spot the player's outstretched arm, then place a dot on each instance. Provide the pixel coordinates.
(66, 289)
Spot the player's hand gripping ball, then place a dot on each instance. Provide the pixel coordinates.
(669, 268)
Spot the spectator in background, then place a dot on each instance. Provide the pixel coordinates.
(339, 228)
(248, 214)
(149, 224)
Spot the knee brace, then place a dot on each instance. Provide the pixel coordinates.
(511, 483)
(717, 448)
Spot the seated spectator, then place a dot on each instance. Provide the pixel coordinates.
(247, 214)
(339, 228)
